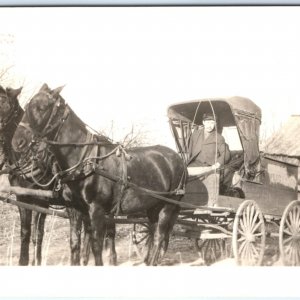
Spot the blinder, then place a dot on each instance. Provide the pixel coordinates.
(13, 114)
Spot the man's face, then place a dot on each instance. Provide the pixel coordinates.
(209, 125)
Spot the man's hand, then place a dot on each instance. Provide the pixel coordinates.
(194, 171)
(216, 166)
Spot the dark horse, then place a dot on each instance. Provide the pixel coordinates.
(10, 116)
(24, 149)
(75, 215)
(104, 178)
(24, 174)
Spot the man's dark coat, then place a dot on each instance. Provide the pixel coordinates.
(203, 151)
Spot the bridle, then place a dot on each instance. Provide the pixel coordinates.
(7, 122)
(54, 121)
(33, 160)
(12, 116)
(34, 163)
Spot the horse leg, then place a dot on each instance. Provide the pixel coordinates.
(37, 237)
(166, 219)
(110, 242)
(97, 216)
(75, 218)
(25, 219)
(86, 240)
(152, 214)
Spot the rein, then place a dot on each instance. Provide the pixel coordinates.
(227, 166)
(115, 178)
(96, 169)
(54, 143)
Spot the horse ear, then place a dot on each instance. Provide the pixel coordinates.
(57, 91)
(2, 90)
(44, 87)
(13, 93)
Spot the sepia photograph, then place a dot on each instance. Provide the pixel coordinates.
(150, 140)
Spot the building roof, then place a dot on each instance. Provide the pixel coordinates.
(286, 141)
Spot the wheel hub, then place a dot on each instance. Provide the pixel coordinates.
(250, 237)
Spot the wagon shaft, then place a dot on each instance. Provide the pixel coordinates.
(36, 208)
(20, 191)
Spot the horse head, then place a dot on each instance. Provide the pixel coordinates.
(41, 112)
(23, 137)
(9, 105)
(10, 115)
(44, 110)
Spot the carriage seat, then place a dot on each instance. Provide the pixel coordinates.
(227, 174)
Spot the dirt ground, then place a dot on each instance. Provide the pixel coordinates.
(56, 249)
(56, 252)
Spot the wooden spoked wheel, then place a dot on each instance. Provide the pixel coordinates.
(211, 250)
(289, 235)
(142, 238)
(249, 235)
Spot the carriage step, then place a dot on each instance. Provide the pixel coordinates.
(201, 235)
(199, 211)
(212, 236)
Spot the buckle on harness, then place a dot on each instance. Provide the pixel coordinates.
(58, 186)
(180, 192)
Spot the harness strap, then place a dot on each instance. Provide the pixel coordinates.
(124, 179)
(89, 137)
(54, 143)
(60, 122)
(154, 194)
(101, 172)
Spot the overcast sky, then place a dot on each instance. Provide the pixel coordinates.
(127, 65)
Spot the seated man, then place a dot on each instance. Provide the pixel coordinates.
(208, 150)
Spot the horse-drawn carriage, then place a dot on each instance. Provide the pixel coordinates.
(147, 187)
(250, 198)
(250, 193)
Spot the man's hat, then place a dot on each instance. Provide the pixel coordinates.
(208, 116)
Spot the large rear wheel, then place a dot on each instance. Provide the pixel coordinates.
(142, 238)
(211, 250)
(289, 235)
(249, 235)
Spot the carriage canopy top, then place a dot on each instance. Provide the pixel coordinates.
(234, 111)
(224, 108)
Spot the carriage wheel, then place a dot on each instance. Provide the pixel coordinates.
(142, 237)
(249, 234)
(211, 250)
(289, 235)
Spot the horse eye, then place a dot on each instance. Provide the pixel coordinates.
(42, 107)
